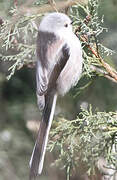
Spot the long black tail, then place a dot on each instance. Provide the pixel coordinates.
(37, 158)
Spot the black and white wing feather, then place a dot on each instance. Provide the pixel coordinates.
(49, 66)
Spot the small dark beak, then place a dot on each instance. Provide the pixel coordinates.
(72, 22)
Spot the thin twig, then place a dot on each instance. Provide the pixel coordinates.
(47, 8)
(15, 3)
(111, 72)
(53, 4)
(108, 68)
(104, 73)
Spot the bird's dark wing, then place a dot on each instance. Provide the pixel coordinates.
(37, 158)
(48, 53)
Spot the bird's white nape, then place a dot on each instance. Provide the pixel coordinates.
(54, 22)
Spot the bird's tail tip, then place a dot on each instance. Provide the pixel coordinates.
(33, 175)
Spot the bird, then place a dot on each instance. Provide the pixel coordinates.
(58, 68)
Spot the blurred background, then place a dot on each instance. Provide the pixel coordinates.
(19, 115)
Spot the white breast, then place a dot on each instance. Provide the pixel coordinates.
(73, 68)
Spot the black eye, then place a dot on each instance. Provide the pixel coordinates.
(66, 25)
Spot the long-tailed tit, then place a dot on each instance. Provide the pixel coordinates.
(59, 66)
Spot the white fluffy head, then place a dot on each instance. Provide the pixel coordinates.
(56, 22)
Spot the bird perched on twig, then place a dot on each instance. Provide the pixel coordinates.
(59, 66)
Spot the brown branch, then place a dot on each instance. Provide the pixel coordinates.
(53, 4)
(108, 68)
(15, 3)
(104, 73)
(25, 9)
(47, 8)
(111, 72)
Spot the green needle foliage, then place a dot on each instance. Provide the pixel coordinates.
(88, 28)
(85, 139)
(18, 35)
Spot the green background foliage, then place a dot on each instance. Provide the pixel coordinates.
(79, 136)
